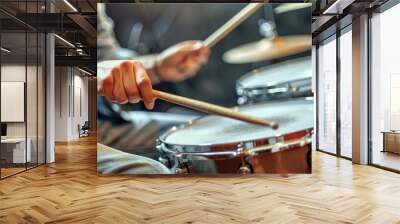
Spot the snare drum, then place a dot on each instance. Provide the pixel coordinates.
(214, 144)
(281, 81)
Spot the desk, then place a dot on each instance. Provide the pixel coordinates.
(13, 150)
(391, 141)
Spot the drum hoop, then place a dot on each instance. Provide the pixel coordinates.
(162, 138)
(271, 87)
(241, 151)
(257, 70)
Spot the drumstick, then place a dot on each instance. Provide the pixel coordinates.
(232, 24)
(212, 108)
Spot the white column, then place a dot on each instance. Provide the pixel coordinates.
(50, 100)
(50, 92)
(360, 90)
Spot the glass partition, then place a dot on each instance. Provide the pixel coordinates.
(327, 96)
(35, 88)
(22, 101)
(32, 98)
(13, 95)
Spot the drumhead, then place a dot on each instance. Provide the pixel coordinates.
(292, 116)
(277, 74)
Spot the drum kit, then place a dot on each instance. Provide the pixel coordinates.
(281, 92)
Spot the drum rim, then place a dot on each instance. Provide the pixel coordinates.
(257, 70)
(238, 143)
(261, 87)
(162, 138)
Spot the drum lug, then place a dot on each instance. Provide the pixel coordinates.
(159, 145)
(242, 100)
(241, 149)
(181, 171)
(164, 161)
(245, 169)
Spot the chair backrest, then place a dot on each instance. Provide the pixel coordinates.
(86, 124)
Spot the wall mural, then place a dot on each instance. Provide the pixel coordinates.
(221, 89)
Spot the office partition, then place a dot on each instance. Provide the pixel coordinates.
(22, 77)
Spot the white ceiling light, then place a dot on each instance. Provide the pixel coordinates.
(288, 7)
(84, 71)
(338, 6)
(70, 6)
(5, 50)
(64, 40)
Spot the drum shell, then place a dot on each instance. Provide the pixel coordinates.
(259, 152)
(291, 160)
(295, 160)
(286, 80)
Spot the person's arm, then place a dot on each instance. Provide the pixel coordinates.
(148, 61)
(124, 81)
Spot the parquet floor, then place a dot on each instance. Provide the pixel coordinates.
(70, 191)
(10, 171)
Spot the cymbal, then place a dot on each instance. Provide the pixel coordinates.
(288, 7)
(266, 49)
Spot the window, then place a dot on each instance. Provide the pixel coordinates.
(385, 89)
(327, 96)
(346, 93)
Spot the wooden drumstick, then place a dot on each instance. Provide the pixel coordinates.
(232, 23)
(212, 108)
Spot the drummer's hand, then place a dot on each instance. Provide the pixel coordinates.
(182, 60)
(128, 82)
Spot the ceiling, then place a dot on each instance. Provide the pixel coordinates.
(72, 20)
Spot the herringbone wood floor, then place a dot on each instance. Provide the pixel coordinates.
(70, 191)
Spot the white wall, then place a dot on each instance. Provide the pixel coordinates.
(33, 127)
(61, 103)
(13, 73)
(70, 83)
(81, 89)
